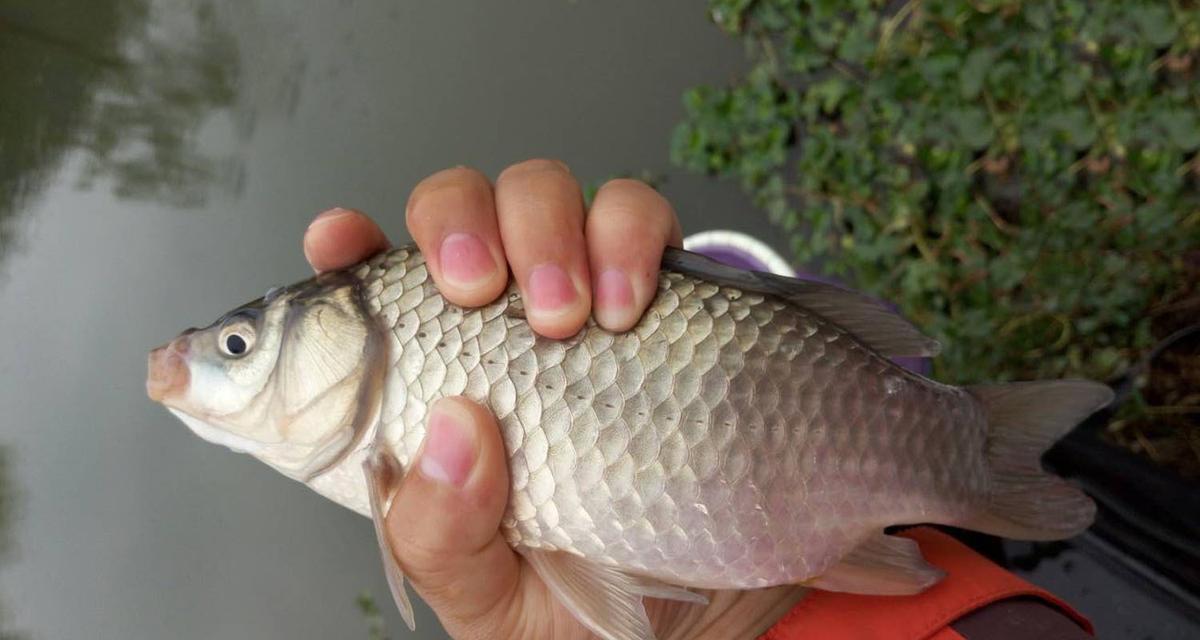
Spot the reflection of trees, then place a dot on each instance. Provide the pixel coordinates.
(123, 81)
(127, 84)
(144, 119)
(6, 509)
(45, 81)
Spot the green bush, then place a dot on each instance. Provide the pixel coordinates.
(1020, 177)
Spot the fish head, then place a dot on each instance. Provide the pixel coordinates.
(291, 378)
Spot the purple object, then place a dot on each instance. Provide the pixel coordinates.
(739, 250)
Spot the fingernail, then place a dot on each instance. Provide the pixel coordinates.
(614, 297)
(465, 260)
(551, 289)
(450, 448)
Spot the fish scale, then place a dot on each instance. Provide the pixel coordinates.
(729, 440)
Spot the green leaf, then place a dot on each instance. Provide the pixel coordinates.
(1155, 23)
(1003, 169)
(1181, 127)
(828, 93)
(1075, 125)
(974, 72)
(971, 125)
(858, 45)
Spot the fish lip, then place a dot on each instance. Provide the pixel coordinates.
(167, 372)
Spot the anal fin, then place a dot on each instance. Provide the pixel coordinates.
(883, 565)
(383, 475)
(604, 599)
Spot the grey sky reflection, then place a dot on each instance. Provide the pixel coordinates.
(128, 85)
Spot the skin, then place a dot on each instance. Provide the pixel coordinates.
(568, 266)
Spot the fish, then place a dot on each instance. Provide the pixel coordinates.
(751, 430)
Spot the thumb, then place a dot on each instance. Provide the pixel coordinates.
(444, 521)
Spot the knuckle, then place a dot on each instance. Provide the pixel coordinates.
(546, 210)
(627, 226)
(508, 615)
(454, 176)
(437, 582)
(633, 205)
(631, 186)
(537, 192)
(534, 166)
(467, 203)
(617, 212)
(453, 179)
(422, 557)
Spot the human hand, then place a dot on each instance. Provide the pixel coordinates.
(568, 266)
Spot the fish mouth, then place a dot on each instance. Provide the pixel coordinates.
(167, 373)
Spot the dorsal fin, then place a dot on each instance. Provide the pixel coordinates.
(862, 316)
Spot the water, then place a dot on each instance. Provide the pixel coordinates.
(159, 160)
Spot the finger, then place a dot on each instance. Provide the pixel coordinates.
(540, 210)
(452, 217)
(338, 238)
(445, 520)
(627, 228)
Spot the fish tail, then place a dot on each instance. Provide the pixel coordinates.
(1024, 419)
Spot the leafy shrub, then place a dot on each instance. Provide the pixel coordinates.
(1020, 177)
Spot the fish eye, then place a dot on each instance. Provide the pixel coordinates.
(236, 340)
(235, 344)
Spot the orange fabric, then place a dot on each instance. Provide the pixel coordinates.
(972, 581)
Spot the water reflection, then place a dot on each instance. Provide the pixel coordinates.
(7, 506)
(128, 84)
(145, 99)
(146, 112)
(127, 90)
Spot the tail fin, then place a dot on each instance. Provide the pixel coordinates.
(1024, 419)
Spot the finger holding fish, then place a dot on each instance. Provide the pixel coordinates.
(445, 520)
(540, 211)
(338, 238)
(452, 218)
(628, 226)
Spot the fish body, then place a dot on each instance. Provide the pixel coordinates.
(750, 431)
(729, 440)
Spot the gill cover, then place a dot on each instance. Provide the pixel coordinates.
(292, 378)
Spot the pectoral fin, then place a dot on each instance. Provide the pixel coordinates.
(883, 565)
(383, 474)
(604, 599)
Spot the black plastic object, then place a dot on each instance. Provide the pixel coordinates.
(1148, 523)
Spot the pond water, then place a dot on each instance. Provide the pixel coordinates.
(159, 160)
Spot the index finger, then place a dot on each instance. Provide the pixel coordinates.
(339, 238)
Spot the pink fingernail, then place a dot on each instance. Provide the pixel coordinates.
(465, 260)
(614, 297)
(551, 289)
(613, 289)
(450, 449)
